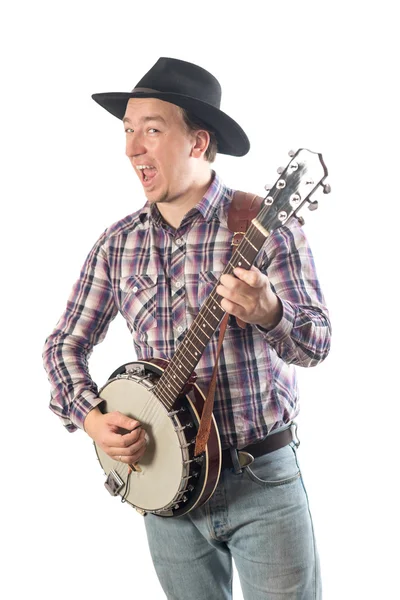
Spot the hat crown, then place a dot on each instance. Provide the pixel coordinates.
(174, 76)
(190, 87)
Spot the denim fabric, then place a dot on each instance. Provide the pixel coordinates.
(259, 517)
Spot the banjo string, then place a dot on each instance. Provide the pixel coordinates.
(250, 236)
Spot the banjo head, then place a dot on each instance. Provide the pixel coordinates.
(157, 484)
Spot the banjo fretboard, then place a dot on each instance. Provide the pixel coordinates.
(205, 324)
(297, 182)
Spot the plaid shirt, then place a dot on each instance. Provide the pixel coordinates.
(158, 277)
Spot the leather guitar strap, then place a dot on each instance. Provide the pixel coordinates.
(242, 210)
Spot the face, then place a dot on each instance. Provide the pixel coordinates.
(161, 150)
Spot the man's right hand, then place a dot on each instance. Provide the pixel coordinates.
(119, 436)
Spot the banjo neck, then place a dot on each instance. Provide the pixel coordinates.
(297, 182)
(191, 348)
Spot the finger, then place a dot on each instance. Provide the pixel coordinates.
(231, 288)
(122, 446)
(113, 441)
(131, 453)
(254, 278)
(232, 308)
(127, 439)
(228, 281)
(117, 419)
(134, 458)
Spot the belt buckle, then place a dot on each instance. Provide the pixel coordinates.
(245, 458)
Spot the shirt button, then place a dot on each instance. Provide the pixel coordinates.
(180, 328)
(178, 284)
(179, 242)
(135, 289)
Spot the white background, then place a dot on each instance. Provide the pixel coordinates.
(321, 75)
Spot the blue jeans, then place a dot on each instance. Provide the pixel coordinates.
(259, 517)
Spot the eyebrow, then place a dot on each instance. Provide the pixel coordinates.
(146, 119)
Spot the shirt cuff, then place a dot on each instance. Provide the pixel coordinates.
(82, 406)
(284, 328)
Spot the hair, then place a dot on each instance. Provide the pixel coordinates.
(194, 124)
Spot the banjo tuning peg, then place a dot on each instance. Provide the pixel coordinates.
(300, 220)
(313, 205)
(327, 188)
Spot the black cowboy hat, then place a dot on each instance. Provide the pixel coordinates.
(190, 87)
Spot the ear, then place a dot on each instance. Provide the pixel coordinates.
(200, 143)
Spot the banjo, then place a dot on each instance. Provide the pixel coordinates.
(171, 480)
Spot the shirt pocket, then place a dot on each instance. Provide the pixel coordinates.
(139, 302)
(207, 282)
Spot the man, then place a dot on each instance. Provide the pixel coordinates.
(157, 267)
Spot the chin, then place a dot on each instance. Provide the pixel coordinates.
(156, 197)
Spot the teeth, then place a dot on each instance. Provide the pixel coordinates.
(141, 167)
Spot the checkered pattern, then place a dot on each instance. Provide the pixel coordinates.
(158, 278)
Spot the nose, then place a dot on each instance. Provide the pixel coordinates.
(134, 145)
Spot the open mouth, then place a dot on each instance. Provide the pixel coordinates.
(147, 173)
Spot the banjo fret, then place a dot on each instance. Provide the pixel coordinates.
(201, 330)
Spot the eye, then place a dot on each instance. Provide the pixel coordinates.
(153, 130)
(128, 130)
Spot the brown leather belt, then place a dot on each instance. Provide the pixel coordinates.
(272, 442)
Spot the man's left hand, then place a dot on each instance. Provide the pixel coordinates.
(249, 296)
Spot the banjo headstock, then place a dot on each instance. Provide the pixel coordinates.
(298, 181)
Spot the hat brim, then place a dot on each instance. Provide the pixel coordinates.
(230, 136)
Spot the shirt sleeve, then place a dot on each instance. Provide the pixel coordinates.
(303, 335)
(84, 323)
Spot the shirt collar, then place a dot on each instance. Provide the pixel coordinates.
(211, 199)
(207, 206)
